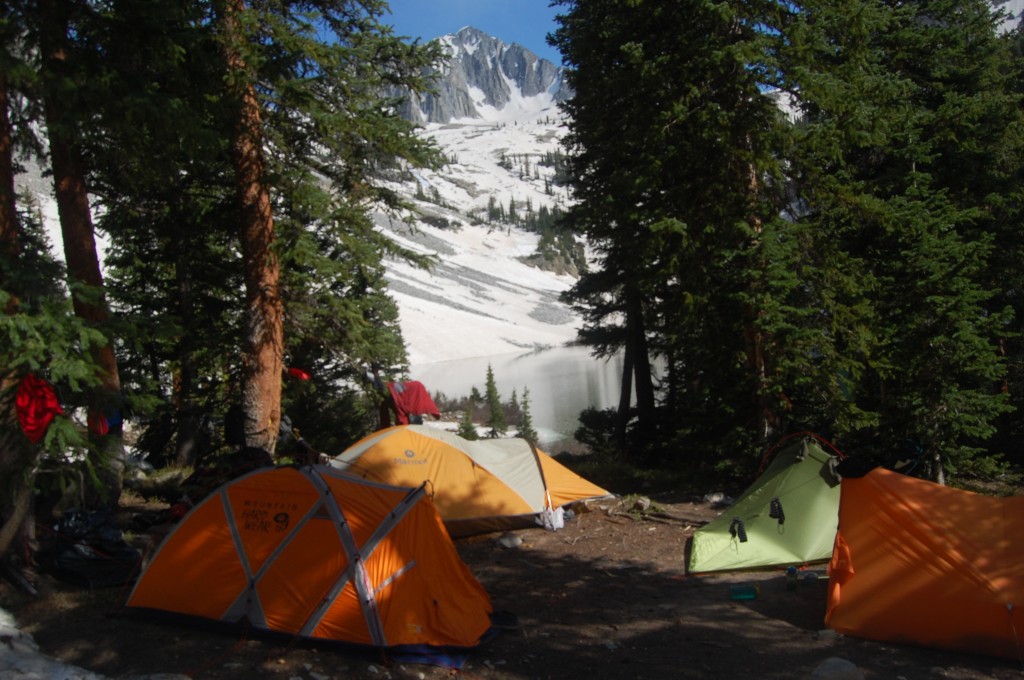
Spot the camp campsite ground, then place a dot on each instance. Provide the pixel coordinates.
(607, 596)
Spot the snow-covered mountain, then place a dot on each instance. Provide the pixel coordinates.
(1013, 12)
(496, 119)
(483, 77)
(480, 299)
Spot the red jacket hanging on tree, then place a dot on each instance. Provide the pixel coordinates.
(408, 399)
(37, 405)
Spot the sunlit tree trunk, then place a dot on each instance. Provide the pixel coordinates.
(625, 394)
(262, 361)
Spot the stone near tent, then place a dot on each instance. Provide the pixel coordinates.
(717, 499)
(15, 639)
(510, 540)
(835, 668)
(643, 504)
(20, 658)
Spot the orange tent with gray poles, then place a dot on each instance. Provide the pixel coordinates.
(311, 553)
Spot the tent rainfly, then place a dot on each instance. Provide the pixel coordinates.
(920, 563)
(787, 516)
(477, 486)
(312, 553)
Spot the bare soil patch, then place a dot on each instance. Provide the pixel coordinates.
(606, 597)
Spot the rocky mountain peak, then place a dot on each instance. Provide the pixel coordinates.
(484, 78)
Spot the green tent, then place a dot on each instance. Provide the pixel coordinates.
(788, 516)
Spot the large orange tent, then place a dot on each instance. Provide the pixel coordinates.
(919, 563)
(477, 486)
(311, 553)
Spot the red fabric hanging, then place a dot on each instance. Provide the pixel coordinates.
(36, 404)
(411, 398)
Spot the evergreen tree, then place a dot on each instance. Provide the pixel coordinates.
(62, 31)
(659, 84)
(467, 427)
(39, 332)
(914, 94)
(42, 337)
(321, 168)
(262, 360)
(526, 430)
(495, 412)
(1007, 261)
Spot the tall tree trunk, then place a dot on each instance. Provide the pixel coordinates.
(938, 469)
(625, 394)
(78, 235)
(643, 378)
(765, 417)
(263, 345)
(186, 446)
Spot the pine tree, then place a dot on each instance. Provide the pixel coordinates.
(467, 426)
(262, 361)
(39, 331)
(1007, 261)
(526, 430)
(914, 94)
(173, 218)
(67, 58)
(495, 411)
(41, 336)
(658, 84)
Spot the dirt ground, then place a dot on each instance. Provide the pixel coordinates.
(606, 597)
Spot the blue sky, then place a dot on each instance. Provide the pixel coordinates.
(526, 22)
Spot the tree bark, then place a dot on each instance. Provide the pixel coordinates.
(263, 344)
(186, 449)
(78, 235)
(643, 378)
(625, 394)
(766, 418)
(16, 515)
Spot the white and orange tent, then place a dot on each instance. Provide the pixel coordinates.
(315, 554)
(477, 486)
